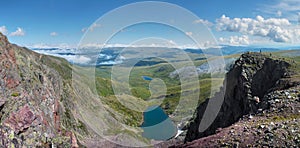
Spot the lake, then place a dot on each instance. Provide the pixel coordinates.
(147, 78)
(157, 125)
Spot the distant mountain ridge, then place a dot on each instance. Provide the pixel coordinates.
(107, 56)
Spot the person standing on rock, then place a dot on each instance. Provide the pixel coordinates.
(256, 99)
(254, 102)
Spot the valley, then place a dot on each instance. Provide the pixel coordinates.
(87, 112)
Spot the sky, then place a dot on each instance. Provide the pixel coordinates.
(63, 23)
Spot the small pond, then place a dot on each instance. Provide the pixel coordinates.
(157, 125)
(147, 78)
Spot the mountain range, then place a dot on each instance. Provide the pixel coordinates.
(45, 101)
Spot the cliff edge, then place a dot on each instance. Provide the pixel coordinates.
(260, 95)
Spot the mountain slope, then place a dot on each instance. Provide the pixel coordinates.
(45, 101)
(272, 81)
(32, 99)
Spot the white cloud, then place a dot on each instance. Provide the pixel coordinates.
(3, 30)
(48, 46)
(18, 32)
(68, 54)
(189, 33)
(276, 29)
(171, 42)
(83, 30)
(283, 8)
(112, 62)
(53, 34)
(279, 13)
(235, 40)
(204, 22)
(94, 26)
(80, 59)
(91, 28)
(288, 5)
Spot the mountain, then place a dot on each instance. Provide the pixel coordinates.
(228, 50)
(260, 108)
(107, 56)
(46, 102)
(32, 112)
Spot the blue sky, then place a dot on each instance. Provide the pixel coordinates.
(45, 23)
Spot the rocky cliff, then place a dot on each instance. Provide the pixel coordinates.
(47, 102)
(34, 99)
(250, 88)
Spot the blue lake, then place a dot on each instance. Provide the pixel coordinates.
(157, 125)
(147, 78)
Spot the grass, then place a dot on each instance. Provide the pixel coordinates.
(141, 94)
(140, 89)
(131, 115)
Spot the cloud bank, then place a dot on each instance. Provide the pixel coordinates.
(276, 29)
(235, 40)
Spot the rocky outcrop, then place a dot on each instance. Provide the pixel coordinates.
(32, 106)
(252, 77)
(277, 126)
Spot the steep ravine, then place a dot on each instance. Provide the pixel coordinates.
(253, 74)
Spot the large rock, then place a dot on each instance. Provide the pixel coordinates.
(252, 75)
(21, 120)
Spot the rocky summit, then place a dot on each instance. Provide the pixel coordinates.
(261, 107)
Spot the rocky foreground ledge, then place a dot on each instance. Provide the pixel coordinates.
(277, 126)
(261, 107)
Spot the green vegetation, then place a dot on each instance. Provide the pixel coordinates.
(130, 117)
(60, 65)
(15, 94)
(104, 86)
(140, 89)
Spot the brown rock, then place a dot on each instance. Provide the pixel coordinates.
(74, 141)
(12, 83)
(21, 120)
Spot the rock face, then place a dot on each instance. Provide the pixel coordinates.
(277, 126)
(32, 102)
(47, 102)
(253, 76)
